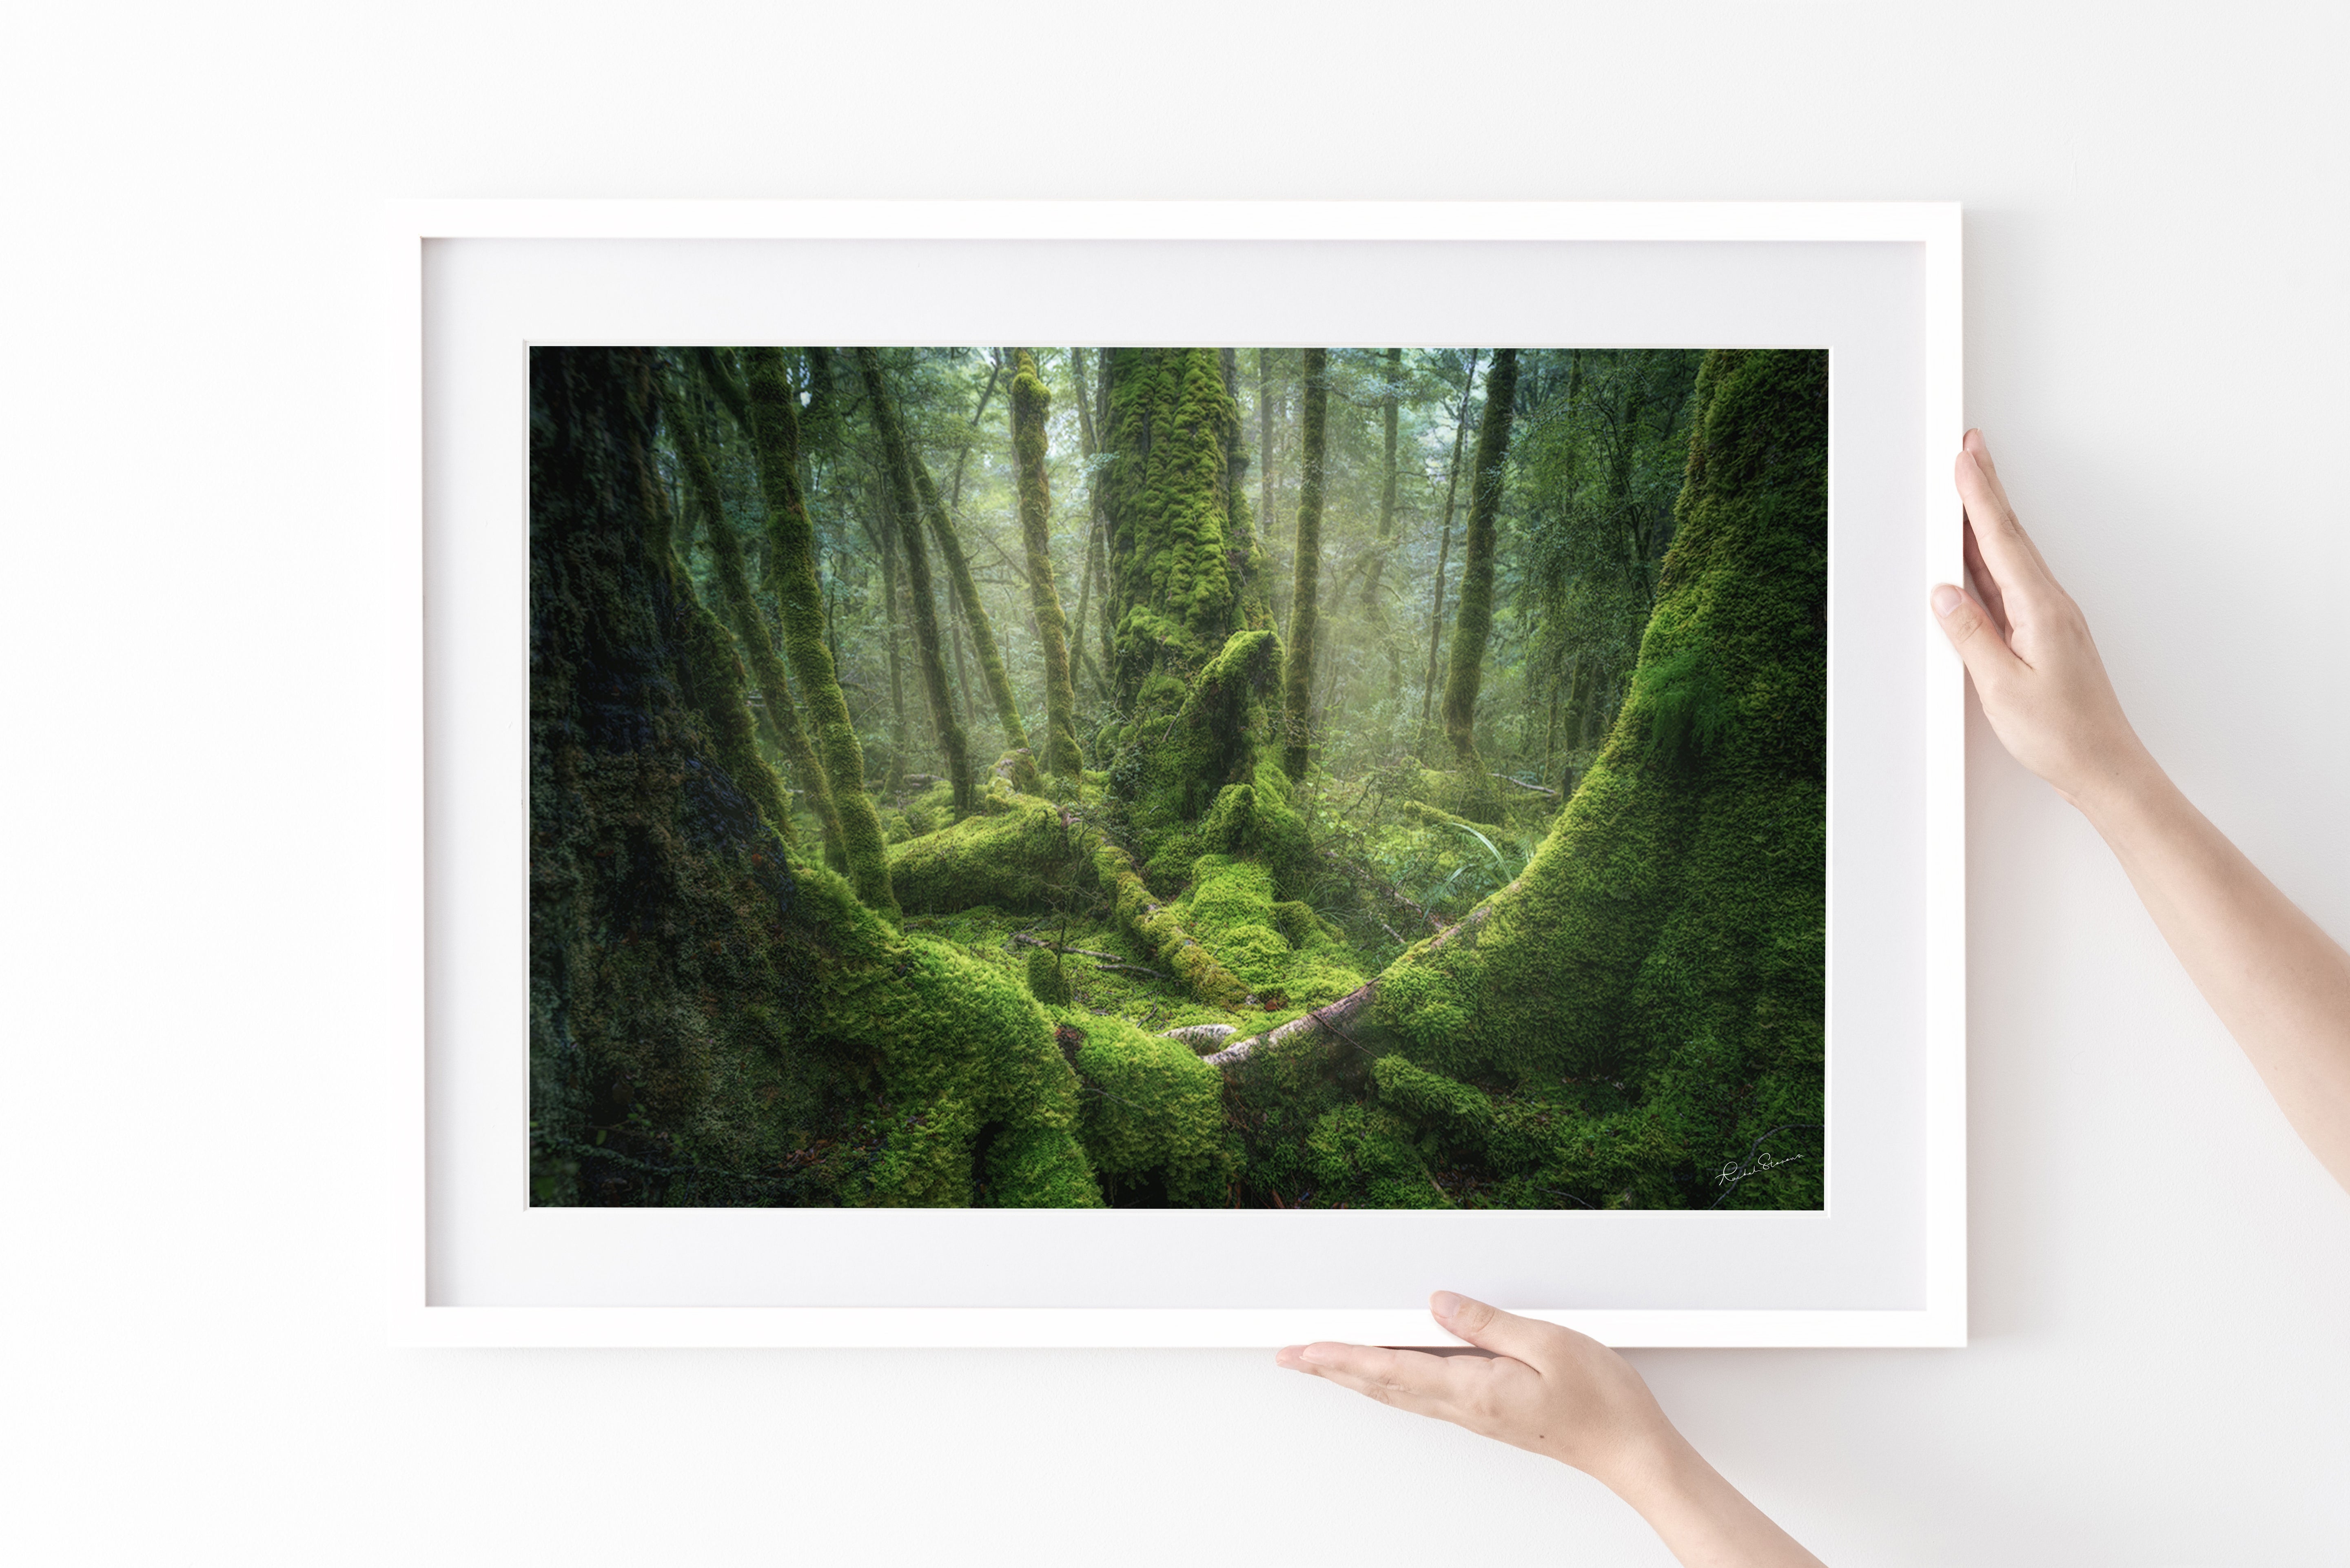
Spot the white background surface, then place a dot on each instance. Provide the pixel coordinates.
(193, 1368)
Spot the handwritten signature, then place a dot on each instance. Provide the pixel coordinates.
(1736, 1170)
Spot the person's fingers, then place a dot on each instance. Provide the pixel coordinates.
(2015, 561)
(1986, 587)
(1491, 1328)
(1404, 1378)
(1968, 626)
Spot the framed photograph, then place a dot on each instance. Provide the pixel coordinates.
(1177, 774)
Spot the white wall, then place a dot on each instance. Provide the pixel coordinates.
(193, 1357)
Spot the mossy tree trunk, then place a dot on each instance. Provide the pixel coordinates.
(1475, 626)
(1444, 547)
(1390, 408)
(1297, 679)
(885, 544)
(1088, 448)
(1030, 406)
(905, 508)
(778, 711)
(773, 407)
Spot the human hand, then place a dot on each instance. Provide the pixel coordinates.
(1545, 1389)
(2028, 648)
(1565, 1396)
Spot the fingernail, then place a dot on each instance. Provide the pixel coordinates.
(1312, 1353)
(1287, 1353)
(1945, 599)
(1445, 1305)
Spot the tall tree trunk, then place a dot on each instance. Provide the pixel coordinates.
(1245, 549)
(1444, 545)
(1030, 406)
(1264, 435)
(777, 710)
(975, 617)
(1389, 408)
(791, 575)
(929, 653)
(1088, 449)
(1297, 679)
(1474, 627)
(887, 538)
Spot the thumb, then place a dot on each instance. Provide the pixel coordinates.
(1489, 1327)
(1964, 622)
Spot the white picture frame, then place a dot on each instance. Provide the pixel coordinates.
(642, 1277)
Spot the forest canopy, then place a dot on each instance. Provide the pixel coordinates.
(1259, 777)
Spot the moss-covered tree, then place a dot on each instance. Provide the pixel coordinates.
(778, 711)
(1030, 405)
(1298, 677)
(772, 405)
(1473, 625)
(905, 508)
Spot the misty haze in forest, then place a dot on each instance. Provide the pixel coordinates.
(1290, 778)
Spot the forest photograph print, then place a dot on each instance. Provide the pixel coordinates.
(1266, 778)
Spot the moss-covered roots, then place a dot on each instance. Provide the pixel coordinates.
(1297, 679)
(791, 574)
(1030, 404)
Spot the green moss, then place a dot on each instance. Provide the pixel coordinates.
(1167, 501)
(1363, 1157)
(966, 1059)
(1169, 772)
(1022, 858)
(1046, 983)
(1154, 1112)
